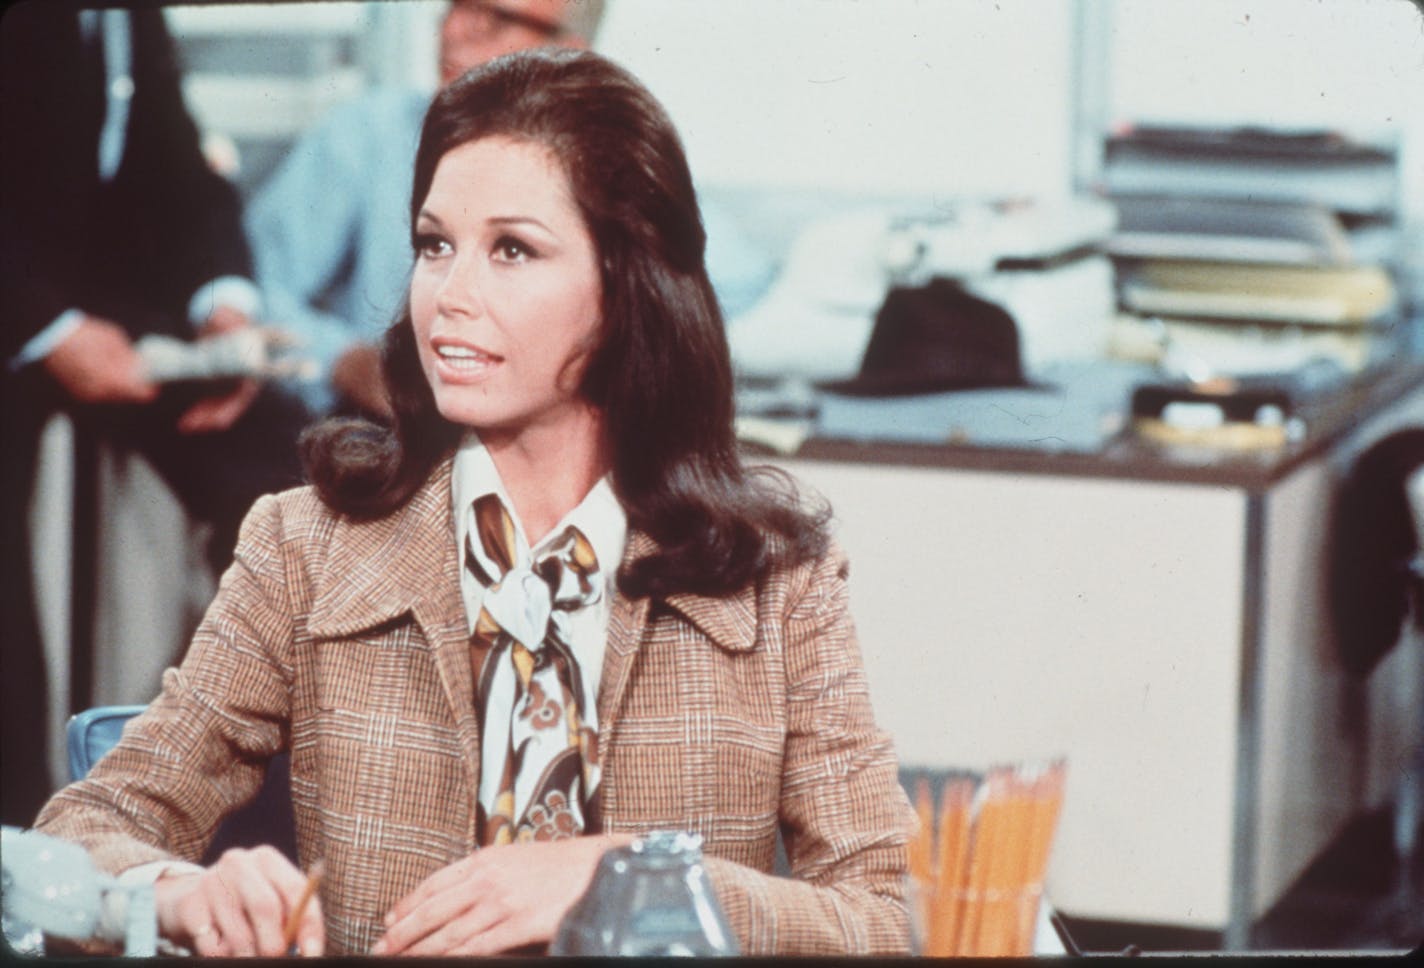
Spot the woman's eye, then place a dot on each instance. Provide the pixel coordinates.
(431, 246)
(509, 249)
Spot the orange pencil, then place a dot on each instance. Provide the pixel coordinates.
(921, 851)
(1048, 801)
(996, 916)
(1019, 903)
(983, 845)
(294, 920)
(922, 844)
(1046, 794)
(953, 862)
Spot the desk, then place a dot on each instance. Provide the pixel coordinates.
(1158, 618)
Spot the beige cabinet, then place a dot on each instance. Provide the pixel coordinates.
(1159, 624)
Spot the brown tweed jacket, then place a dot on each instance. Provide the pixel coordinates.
(347, 643)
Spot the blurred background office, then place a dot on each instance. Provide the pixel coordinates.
(1205, 222)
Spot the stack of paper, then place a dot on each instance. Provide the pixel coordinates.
(1236, 230)
(1250, 250)
(1312, 167)
(978, 872)
(1304, 295)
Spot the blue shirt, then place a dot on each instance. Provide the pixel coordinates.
(330, 230)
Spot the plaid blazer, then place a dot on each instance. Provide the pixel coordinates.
(347, 643)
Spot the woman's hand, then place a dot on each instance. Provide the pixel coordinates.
(496, 899)
(239, 906)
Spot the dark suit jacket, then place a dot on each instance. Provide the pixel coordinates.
(133, 249)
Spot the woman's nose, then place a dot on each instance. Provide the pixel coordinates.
(459, 292)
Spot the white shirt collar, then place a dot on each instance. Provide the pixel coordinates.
(599, 516)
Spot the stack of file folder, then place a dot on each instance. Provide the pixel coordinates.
(1245, 251)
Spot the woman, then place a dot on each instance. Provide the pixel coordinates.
(547, 612)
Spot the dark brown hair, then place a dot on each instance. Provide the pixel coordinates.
(661, 373)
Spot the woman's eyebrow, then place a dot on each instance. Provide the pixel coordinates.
(519, 220)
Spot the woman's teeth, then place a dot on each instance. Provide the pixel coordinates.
(462, 357)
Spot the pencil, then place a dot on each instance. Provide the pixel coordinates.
(922, 845)
(984, 842)
(953, 863)
(294, 920)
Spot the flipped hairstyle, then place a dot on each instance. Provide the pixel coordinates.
(661, 372)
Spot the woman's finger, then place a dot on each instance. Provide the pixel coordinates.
(409, 934)
(204, 939)
(465, 931)
(446, 938)
(225, 906)
(253, 890)
(265, 909)
(182, 912)
(291, 884)
(442, 880)
(497, 938)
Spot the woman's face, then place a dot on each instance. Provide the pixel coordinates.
(505, 297)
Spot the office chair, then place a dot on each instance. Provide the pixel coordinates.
(266, 819)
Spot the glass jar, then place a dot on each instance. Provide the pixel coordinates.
(649, 899)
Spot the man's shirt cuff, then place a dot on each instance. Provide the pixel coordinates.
(42, 344)
(233, 292)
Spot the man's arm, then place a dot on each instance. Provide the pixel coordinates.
(303, 224)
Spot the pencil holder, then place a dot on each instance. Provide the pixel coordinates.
(978, 861)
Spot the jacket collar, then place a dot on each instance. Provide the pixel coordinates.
(404, 562)
(729, 621)
(407, 562)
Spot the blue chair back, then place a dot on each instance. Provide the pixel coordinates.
(267, 819)
(92, 733)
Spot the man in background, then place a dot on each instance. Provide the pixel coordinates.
(330, 229)
(112, 226)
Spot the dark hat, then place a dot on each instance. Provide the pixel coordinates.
(933, 338)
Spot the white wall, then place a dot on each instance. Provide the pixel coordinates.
(976, 96)
(892, 96)
(959, 97)
(1352, 65)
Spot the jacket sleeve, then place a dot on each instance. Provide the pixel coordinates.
(200, 749)
(845, 820)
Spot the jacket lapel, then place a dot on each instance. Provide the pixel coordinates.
(729, 621)
(406, 563)
(626, 622)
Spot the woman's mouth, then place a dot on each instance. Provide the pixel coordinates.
(461, 361)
